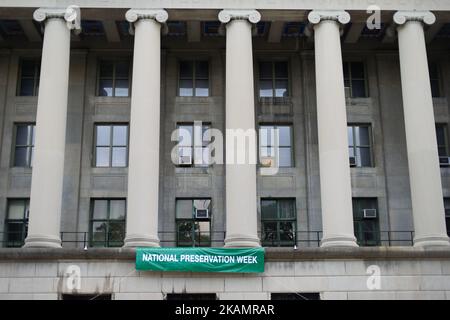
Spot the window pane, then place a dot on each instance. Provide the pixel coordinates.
(442, 151)
(357, 70)
(105, 88)
(285, 135)
(15, 234)
(345, 66)
(281, 69)
(203, 233)
(27, 68)
(120, 135)
(358, 89)
(267, 152)
(26, 87)
(121, 89)
(362, 136)
(351, 152)
(202, 204)
(350, 135)
(185, 233)
(440, 135)
(185, 135)
(106, 69)
(281, 88)
(363, 157)
(287, 209)
(102, 157)
(265, 70)
(116, 234)
(100, 211)
(16, 209)
(269, 235)
(21, 157)
(285, 157)
(201, 70)
(201, 88)
(103, 135)
(287, 231)
(119, 156)
(98, 236)
(184, 209)
(186, 70)
(117, 210)
(186, 88)
(268, 209)
(435, 90)
(22, 135)
(265, 88)
(122, 69)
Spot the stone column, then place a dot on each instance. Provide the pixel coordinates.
(335, 185)
(50, 140)
(423, 159)
(241, 214)
(143, 168)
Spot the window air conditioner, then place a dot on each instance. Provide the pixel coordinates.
(352, 162)
(267, 162)
(184, 160)
(444, 161)
(370, 213)
(201, 213)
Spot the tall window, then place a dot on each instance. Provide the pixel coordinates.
(276, 146)
(447, 214)
(111, 145)
(114, 78)
(278, 222)
(359, 145)
(435, 80)
(107, 222)
(194, 79)
(193, 144)
(273, 79)
(24, 145)
(193, 222)
(442, 144)
(29, 77)
(355, 79)
(365, 221)
(16, 224)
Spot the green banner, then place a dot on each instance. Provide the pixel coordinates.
(201, 259)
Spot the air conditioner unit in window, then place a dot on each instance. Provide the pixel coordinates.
(201, 213)
(184, 160)
(370, 213)
(352, 162)
(444, 161)
(267, 162)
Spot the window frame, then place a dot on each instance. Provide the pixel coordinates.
(193, 221)
(108, 220)
(194, 77)
(23, 221)
(114, 61)
(35, 77)
(275, 126)
(355, 147)
(29, 147)
(362, 241)
(349, 63)
(278, 242)
(274, 79)
(111, 146)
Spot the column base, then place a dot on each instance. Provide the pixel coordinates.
(42, 241)
(239, 240)
(432, 241)
(338, 241)
(139, 240)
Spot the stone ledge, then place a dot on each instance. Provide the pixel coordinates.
(272, 254)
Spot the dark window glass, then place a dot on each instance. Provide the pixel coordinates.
(355, 79)
(366, 228)
(360, 146)
(189, 154)
(273, 79)
(111, 145)
(29, 77)
(24, 145)
(194, 79)
(107, 222)
(275, 146)
(447, 214)
(442, 141)
(278, 222)
(193, 222)
(435, 80)
(114, 78)
(16, 224)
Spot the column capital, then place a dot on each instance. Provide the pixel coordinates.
(316, 16)
(159, 15)
(252, 16)
(71, 15)
(427, 17)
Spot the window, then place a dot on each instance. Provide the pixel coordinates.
(107, 222)
(278, 222)
(447, 214)
(435, 80)
(442, 144)
(191, 296)
(16, 224)
(29, 77)
(111, 145)
(273, 79)
(295, 296)
(365, 221)
(355, 80)
(276, 146)
(114, 78)
(24, 145)
(359, 145)
(190, 152)
(193, 222)
(194, 79)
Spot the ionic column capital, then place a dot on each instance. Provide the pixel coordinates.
(252, 16)
(427, 17)
(159, 15)
(71, 15)
(316, 16)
